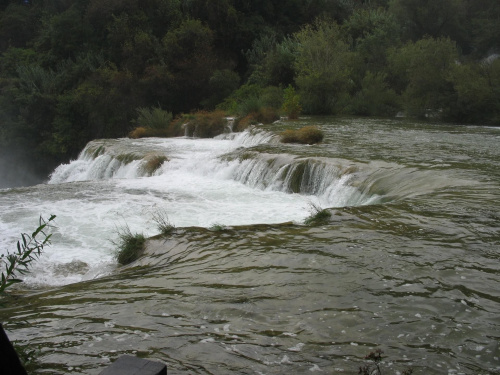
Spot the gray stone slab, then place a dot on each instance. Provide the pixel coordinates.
(129, 365)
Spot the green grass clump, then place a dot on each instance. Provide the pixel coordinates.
(163, 224)
(129, 246)
(318, 215)
(216, 227)
(307, 135)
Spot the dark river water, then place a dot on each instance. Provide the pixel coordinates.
(407, 263)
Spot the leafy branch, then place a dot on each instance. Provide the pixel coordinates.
(29, 248)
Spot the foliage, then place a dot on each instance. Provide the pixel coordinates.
(291, 103)
(206, 124)
(188, 53)
(306, 135)
(153, 118)
(324, 67)
(73, 71)
(29, 248)
(436, 19)
(216, 227)
(153, 122)
(375, 97)
(220, 85)
(263, 115)
(163, 224)
(29, 356)
(318, 215)
(477, 93)
(423, 68)
(272, 61)
(372, 32)
(129, 246)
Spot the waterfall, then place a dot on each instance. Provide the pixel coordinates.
(228, 157)
(320, 177)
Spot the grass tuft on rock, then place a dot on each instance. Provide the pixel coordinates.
(163, 224)
(129, 246)
(318, 215)
(217, 227)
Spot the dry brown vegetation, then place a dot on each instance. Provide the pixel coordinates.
(306, 135)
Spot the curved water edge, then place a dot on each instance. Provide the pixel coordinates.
(407, 262)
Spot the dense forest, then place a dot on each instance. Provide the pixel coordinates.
(75, 70)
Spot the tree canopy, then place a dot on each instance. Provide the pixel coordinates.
(75, 70)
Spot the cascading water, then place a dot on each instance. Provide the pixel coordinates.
(406, 263)
(196, 181)
(118, 183)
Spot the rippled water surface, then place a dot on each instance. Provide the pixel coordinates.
(407, 263)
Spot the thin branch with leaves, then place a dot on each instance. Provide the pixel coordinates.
(29, 248)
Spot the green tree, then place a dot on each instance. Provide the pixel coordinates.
(375, 97)
(291, 103)
(477, 93)
(221, 84)
(485, 26)
(423, 69)
(424, 18)
(188, 53)
(17, 26)
(373, 32)
(64, 35)
(324, 66)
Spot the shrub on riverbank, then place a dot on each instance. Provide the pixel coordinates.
(306, 135)
(152, 122)
(200, 124)
(266, 115)
(207, 124)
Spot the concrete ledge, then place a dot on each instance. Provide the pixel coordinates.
(128, 365)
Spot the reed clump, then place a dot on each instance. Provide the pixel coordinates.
(307, 135)
(318, 215)
(129, 246)
(163, 224)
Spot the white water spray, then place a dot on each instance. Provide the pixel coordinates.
(195, 183)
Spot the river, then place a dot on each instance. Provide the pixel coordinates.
(408, 262)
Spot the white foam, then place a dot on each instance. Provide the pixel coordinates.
(194, 188)
(94, 197)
